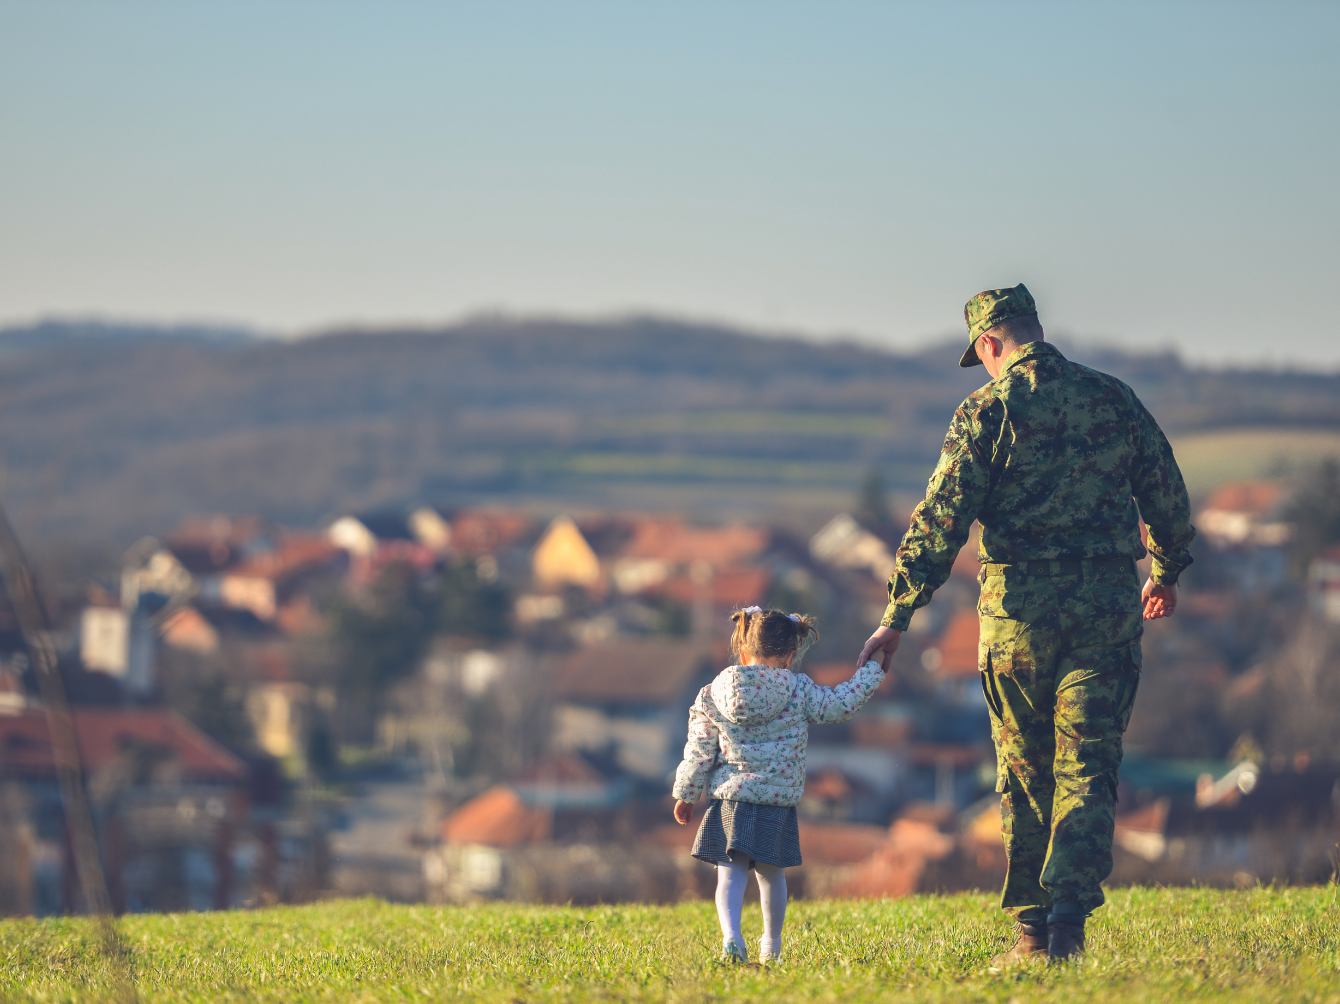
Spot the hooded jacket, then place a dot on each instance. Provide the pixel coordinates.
(749, 728)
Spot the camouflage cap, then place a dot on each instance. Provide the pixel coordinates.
(987, 309)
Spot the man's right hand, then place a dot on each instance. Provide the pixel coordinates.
(884, 640)
(1160, 601)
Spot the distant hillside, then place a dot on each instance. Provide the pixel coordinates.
(109, 432)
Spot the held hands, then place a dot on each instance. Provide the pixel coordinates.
(1159, 601)
(884, 640)
(682, 812)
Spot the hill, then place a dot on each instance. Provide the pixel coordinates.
(1145, 945)
(109, 432)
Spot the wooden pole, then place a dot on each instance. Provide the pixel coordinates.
(32, 616)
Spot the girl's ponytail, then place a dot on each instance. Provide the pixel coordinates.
(771, 632)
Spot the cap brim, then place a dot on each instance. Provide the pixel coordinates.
(970, 356)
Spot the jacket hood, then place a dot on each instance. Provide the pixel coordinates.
(752, 695)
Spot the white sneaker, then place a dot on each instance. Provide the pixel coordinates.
(767, 953)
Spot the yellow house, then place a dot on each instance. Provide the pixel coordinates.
(563, 557)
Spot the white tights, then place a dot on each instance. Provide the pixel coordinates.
(732, 877)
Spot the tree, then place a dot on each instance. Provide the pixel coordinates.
(1314, 511)
(872, 504)
(216, 709)
(474, 605)
(380, 637)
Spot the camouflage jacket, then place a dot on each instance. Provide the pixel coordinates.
(1052, 459)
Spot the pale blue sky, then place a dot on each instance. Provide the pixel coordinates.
(1159, 174)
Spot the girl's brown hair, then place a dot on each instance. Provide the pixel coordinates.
(766, 633)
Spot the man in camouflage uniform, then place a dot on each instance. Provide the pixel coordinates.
(1052, 458)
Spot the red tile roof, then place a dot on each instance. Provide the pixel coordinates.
(729, 587)
(1256, 498)
(103, 733)
(295, 553)
(630, 671)
(497, 818)
(839, 843)
(476, 532)
(681, 544)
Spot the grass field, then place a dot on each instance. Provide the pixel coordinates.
(1146, 945)
(1208, 459)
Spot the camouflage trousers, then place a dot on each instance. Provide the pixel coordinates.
(1060, 661)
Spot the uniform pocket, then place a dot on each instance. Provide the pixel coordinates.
(1001, 595)
(1002, 646)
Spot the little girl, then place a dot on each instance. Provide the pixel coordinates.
(748, 730)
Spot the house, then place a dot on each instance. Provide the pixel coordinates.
(188, 629)
(629, 698)
(844, 543)
(1242, 521)
(431, 528)
(557, 832)
(476, 533)
(727, 588)
(952, 659)
(832, 794)
(681, 544)
(1323, 584)
(563, 557)
(930, 848)
(265, 582)
(498, 818)
(1251, 822)
(352, 534)
(167, 802)
(1244, 513)
(279, 711)
(150, 569)
(701, 569)
(119, 642)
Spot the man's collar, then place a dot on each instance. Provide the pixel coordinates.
(1029, 350)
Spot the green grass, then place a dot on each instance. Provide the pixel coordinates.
(1146, 945)
(788, 423)
(1208, 459)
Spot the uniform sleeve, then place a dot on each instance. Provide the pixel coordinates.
(957, 492)
(826, 705)
(1165, 507)
(700, 755)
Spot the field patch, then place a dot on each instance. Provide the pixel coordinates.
(1208, 459)
(1147, 945)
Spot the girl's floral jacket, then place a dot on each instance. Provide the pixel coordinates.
(749, 728)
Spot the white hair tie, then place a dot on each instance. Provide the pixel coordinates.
(794, 617)
(752, 610)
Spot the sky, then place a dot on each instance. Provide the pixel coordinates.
(1160, 175)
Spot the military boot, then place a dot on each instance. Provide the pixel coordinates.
(1031, 940)
(1065, 934)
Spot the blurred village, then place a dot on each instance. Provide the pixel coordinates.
(451, 706)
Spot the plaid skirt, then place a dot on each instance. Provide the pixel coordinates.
(735, 831)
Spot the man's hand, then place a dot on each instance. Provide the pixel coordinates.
(1160, 601)
(885, 640)
(682, 811)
